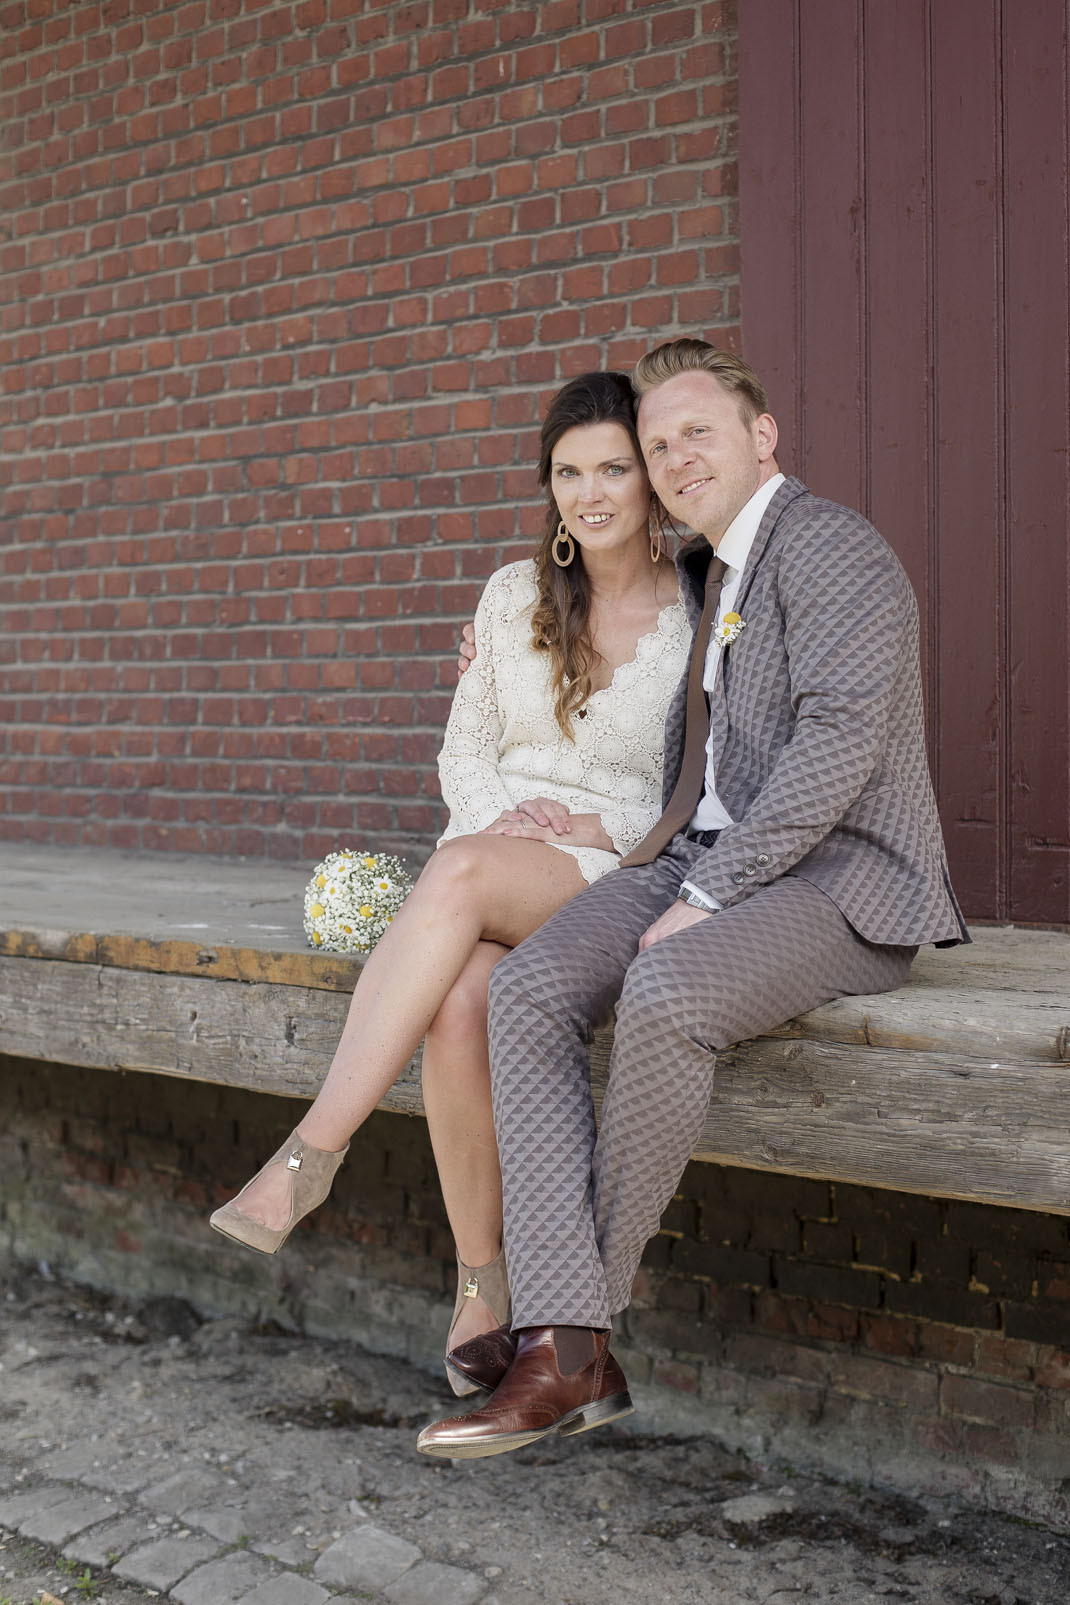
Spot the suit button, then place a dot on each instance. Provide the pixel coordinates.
(749, 869)
(738, 878)
(762, 858)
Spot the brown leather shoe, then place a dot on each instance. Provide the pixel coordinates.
(483, 1360)
(534, 1400)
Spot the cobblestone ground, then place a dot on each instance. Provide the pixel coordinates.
(145, 1455)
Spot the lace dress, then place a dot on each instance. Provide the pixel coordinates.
(503, 743)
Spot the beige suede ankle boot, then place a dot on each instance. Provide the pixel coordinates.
(311, 1171)
(490, 1283)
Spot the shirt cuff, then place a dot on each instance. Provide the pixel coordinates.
(704, 897)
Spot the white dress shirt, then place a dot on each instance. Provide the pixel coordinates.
(733, 549)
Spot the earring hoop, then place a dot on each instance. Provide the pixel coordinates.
(563, 538)
(654, 533)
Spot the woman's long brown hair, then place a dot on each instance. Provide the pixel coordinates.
(561, 622)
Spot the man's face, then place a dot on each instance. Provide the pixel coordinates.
(704, 461)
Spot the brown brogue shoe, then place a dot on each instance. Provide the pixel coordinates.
(484, 1360)
(535, 1399)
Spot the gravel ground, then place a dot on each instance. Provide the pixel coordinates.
(223, 1464)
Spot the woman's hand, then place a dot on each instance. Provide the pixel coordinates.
(542, 811)
(584, 830)
(466, 650)
(537, 812)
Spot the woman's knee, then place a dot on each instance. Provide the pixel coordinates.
(459, 868)
(462, 857)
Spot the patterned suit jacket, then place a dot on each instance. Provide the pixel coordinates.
(817, 725)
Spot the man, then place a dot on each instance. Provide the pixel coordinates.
(799, 859)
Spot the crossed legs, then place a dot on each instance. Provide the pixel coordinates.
(478, 896)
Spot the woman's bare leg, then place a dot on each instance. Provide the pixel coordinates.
(460, 1119)
(497, 888)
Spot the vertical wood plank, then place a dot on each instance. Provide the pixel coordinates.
(832, 226)
(1037, 250)
(898, 299)
(968, 419)
(769, 209)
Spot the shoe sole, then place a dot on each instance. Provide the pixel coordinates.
(597, 1415)
(464, 1386)
(583, 1419)
(244, 1241)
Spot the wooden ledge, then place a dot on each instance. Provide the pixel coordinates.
(955, 1085)
(231, 920)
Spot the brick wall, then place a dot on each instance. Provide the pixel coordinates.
(903, 1341)
(283, 288)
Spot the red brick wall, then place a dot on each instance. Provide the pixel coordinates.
(284, 287)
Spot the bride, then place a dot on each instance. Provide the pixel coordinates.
(551, 769)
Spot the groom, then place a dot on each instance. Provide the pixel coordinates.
(799, 859)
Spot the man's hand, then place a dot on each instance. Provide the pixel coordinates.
(466, 649)
(676, 918)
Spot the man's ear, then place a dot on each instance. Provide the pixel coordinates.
(765, 424)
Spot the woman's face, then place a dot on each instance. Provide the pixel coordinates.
(600, 486)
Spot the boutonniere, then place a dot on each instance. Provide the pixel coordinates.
(730, 628)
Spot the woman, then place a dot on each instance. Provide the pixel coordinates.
(555, 740)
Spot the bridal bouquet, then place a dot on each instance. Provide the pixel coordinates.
(352, 898)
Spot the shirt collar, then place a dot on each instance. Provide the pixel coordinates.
(738, 538)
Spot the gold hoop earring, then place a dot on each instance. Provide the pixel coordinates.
(563, 538)
(654, 532)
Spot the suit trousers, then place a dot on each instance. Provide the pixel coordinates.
(580, 1204)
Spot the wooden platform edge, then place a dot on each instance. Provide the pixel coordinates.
(327, 972)
(944, 1006)
(946, 1124)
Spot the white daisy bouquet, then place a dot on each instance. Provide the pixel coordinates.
(352, 898)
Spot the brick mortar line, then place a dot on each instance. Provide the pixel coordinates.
(297, 727)
(721, 280)
(654, 254)
(726, 76)
(489, 352)
(310, 31)
(652, 207)
(166, 565)
(650, 50)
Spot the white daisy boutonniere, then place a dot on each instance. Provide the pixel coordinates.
(730, 628)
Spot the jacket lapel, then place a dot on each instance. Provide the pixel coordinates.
(784, 495)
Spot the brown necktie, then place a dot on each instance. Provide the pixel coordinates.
(692, 779)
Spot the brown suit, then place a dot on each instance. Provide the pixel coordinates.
(830, 876)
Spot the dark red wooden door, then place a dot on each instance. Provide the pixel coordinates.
(905, 294)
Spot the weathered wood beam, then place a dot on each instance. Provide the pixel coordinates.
(1007, 995)
(869, 1103)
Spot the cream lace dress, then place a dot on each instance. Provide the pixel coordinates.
(503, 743)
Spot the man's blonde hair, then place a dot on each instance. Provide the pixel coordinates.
(676, 357)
